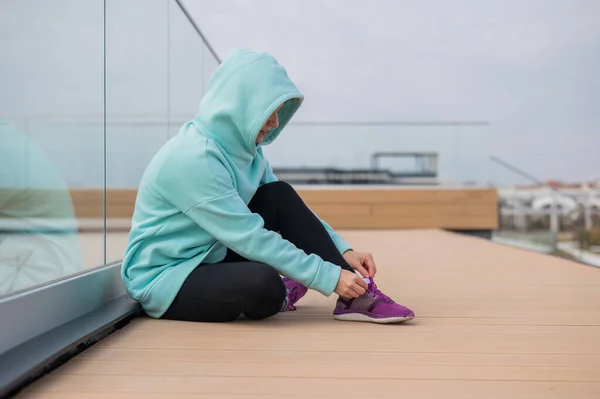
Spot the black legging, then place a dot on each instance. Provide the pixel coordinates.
(223, 291)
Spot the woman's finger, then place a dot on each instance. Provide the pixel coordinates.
(360, 268)
(364, 272)
(370, 264)
(359, 289)
(361, 283)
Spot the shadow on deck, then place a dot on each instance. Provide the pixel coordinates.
(492, 322)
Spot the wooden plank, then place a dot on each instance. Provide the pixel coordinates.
(403, 195)
(427, 325)
(330, 387)
(399, 222)
(151, 395)
(326, 211)
(169, 337)
(333, 369)
(449, 345)
(425, 210)
(391, 359)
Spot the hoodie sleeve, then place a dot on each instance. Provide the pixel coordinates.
(210, 199)
(339, 242)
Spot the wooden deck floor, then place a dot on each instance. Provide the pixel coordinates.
(492, 322)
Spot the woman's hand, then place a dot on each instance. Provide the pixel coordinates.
(350, 285)
(362, 262)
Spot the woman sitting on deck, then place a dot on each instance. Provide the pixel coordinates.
(213, 229)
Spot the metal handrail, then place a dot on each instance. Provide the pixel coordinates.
(197, 29)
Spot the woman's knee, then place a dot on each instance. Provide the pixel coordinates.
(268, 293)
(279, 188)
(267, 284)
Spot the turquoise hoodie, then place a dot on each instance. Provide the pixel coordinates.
(192, 199)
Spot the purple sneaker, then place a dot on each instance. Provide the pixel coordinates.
(295, 291)
(372, 306)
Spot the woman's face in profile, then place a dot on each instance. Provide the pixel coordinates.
(272, 123)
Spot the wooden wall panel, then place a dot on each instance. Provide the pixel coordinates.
(395, 196)
(345, 210)
(469, 209)
(89, 203)
(403, 208)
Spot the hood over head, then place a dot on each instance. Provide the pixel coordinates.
(241, 95)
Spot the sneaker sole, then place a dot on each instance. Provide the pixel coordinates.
(365, 318)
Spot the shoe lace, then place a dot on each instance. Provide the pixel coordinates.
(380, 294)
(290, 298)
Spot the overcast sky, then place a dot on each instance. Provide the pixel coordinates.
(529, 68)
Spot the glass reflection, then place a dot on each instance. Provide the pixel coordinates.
(38, 228)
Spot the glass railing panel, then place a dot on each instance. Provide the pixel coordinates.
(52, 80)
